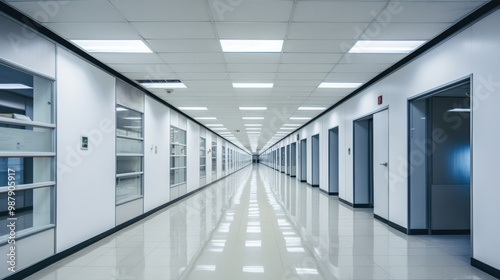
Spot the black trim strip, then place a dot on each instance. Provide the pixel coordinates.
(383, 220)
(486, 268)
(450, 232)
(66, 253)
(314, 186)
(418, 232)
(457, 27)
(398, 227)
(40, 29)
(345, 201)
(361, 205)
(329, 193)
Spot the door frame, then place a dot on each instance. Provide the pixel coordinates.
(330, 131)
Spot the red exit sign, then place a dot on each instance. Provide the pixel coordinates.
(379, 100)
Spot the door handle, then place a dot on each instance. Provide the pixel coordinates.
(383, 163)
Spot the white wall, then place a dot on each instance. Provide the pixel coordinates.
(473, 51)
(156, 154)
(85, 179)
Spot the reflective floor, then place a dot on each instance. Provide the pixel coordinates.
(261, 224)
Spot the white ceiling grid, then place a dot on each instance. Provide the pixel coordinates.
(184, 36)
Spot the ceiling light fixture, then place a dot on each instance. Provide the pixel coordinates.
(205, 118)
(214, 124)
(339, 85)
(193, 108)
(253, 108)
(252, 85)
(253, 124)
(252, 46)
(219, 128)
(292, 124)
(253, 118)
(113, 46)
(163, 84)
(300, 118)
(383, 46)
(311, 108)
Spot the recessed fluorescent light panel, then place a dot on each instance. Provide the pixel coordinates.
(253, 128)
(300, 118)
(252, 46)
(113, 46)
(368, 46)
(253, 108)
(214, 124)
(253, 124)
(339, 85)
(252, 85)
(253, 118)
(162, 84)
(219, 128)
(205, 118)
(311, 108)
(14, 86)
(287, 128)
(193, 108)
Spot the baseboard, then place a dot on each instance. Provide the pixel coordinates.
(361, 205)
(383, 220)
(486, 268)
(418, 232)
(34, 268)
(314, 186)
(398, 227)
(329, 193)
(345, 201)
(293, 176)
(303, 180)
(450, 232)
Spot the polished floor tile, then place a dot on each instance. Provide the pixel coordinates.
(261, 224)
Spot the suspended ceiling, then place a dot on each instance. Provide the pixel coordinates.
(184, 36)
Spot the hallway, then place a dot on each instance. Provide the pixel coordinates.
(261, 224)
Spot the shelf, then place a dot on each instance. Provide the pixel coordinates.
(130, 137)
(130, 174)
(26, 154)
(129, 155)
(26, 123)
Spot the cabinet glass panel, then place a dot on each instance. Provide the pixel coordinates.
(14, 138)
(28, 170)
(128, 188)
(129, 150)
(128, 146)
(128, 122)
(203, 157)
(178, 156)
(33, 209)
(214, 157)
(125, 164)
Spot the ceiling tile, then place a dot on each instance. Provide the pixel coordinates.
(185, 45)
(94, 30)
(204, 76)
(301, 76)
(252, 77)
(198, 68)
(308, 68)
(431, 11)
(322, 46)
(151, 76)
(252, 58)
(297, 83)
(70, 11)
(337, 11)
(148, 68)
(252, 68)
(362, 67)
(270, 11)
(192, 57)
(175, 30)
(359, 77)
(329, 58)
(368, 58)
(251, 30)
(334, 31)
(128, 58)
(404, 31)
(160, 10)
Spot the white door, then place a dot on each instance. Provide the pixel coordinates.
(381, 164)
